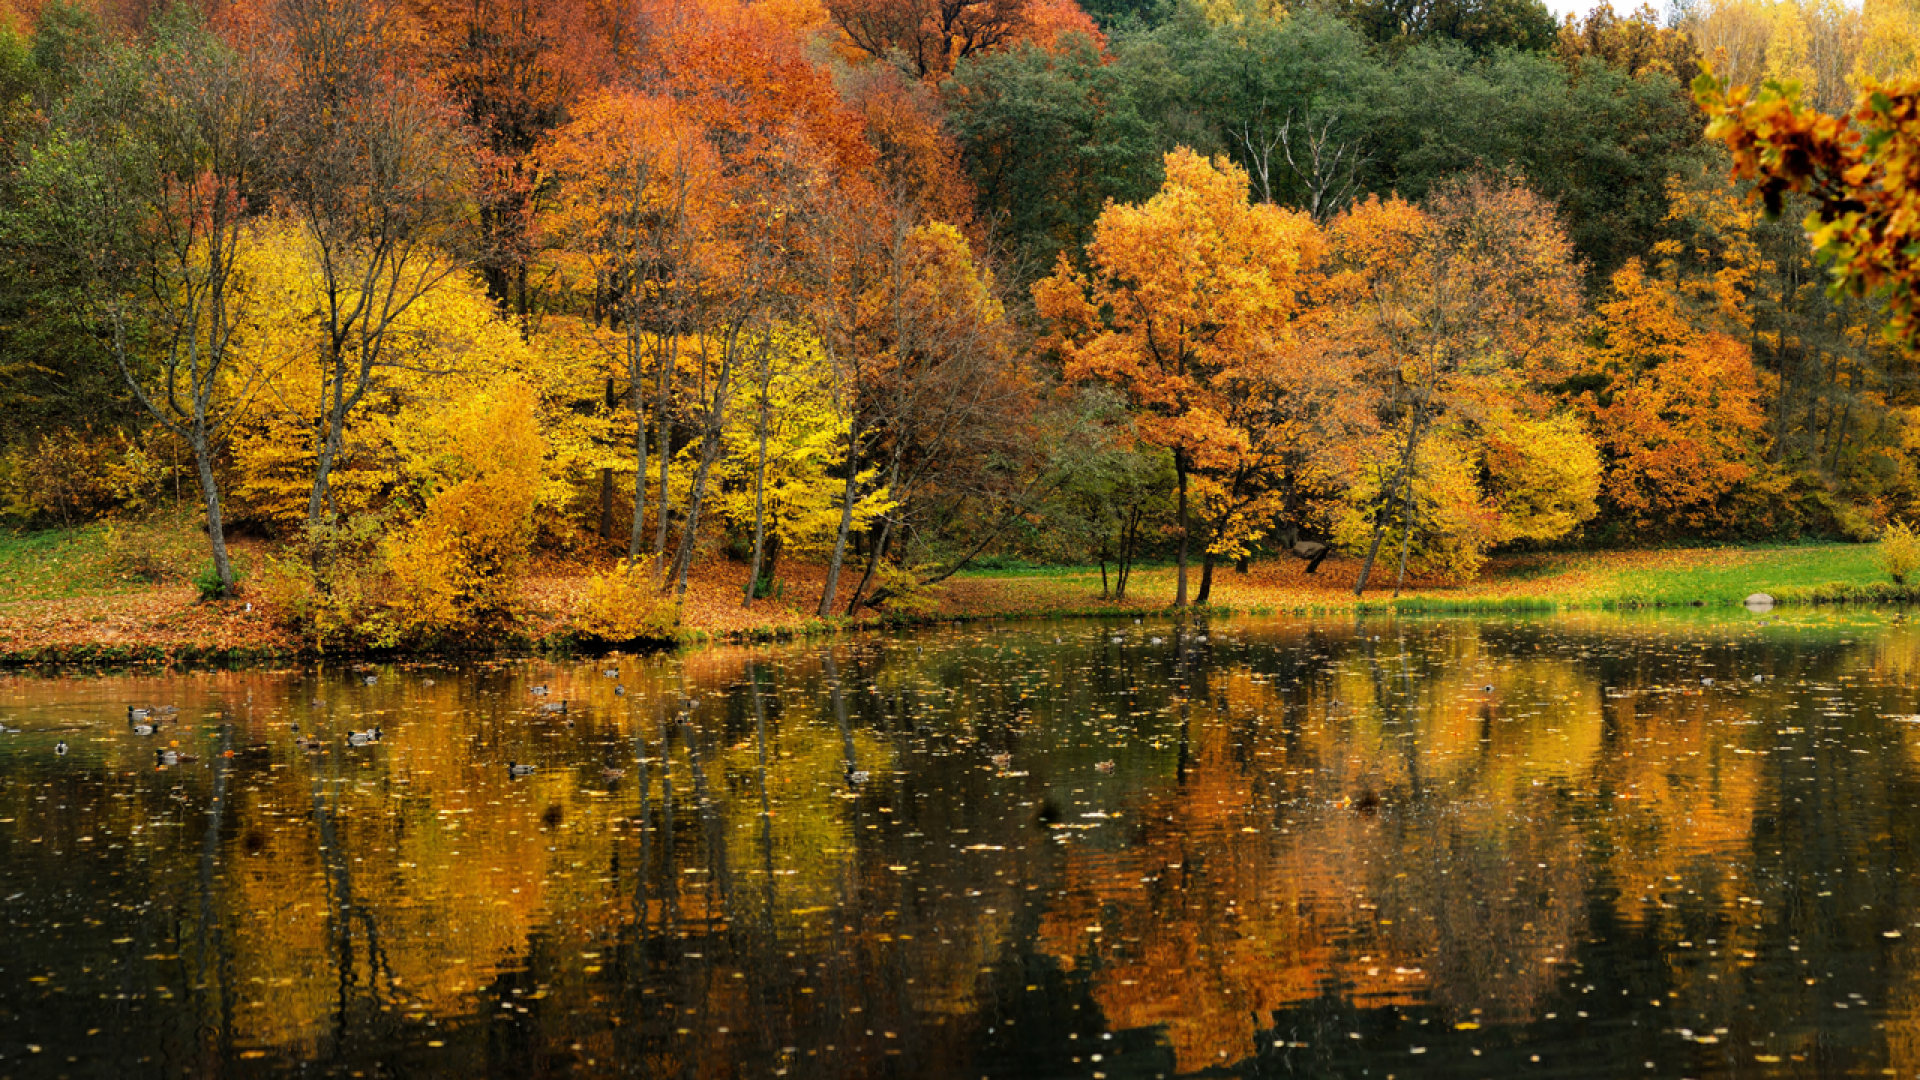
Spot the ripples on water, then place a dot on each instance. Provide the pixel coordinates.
(1255, 848)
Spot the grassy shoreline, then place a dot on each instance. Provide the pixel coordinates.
(117, 596)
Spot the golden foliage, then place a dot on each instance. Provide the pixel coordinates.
(625, 604)
(790, 388)
(451, 332)
(77, 475)
(1542, 475)
(1452, 524)
(1899, 553)
(460, 563)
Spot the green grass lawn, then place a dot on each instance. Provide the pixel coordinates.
(1714, 577)
(1788, 574)
(53, 564)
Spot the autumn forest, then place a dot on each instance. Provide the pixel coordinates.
(417, 293)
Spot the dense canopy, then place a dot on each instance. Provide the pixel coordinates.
(418, 291)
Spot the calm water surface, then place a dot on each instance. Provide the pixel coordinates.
(1258, 848)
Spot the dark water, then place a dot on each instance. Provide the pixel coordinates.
(1259, 848)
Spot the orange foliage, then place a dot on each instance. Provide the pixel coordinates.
(1188, 308)
(917, 158)
(1049, 22)
(1862, 170)
(1182, 288)
(1681, 419)
(760, 101)
(934, 35)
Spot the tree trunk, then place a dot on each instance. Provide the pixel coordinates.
(771, 569)
(713, 423)
(1402, 479)
(334, 433)
(689, 533)
(1406, 542)
(636, 539)
(759, 505)
(332, 437)
(1837, 437)
(1782, 403)
(606, 475)
(664, 504)
(1180, 471)
(663, 435)
(878, 545)
(322, 474)
(216, 526)
(873, 561)
(829, 594)
(1206, 580)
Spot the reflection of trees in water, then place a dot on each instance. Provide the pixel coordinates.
(317, 903)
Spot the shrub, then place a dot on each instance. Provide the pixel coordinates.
(209, 583)
(457, 568)
(1899, 551)
(625, 604)
(335, 591)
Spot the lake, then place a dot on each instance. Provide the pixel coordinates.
(1568, 846)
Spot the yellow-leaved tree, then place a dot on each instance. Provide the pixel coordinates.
(1444, 523)
(583, 417)
(782, 441)
(454, 365)
(1542, 475)
(450, 333)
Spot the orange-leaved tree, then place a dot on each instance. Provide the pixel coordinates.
(1457, 311)
(1680, 415)
(515, 68)
(924, 371)
(930, 36)
(636, 179)
(1862, 171)
(1180, 293)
